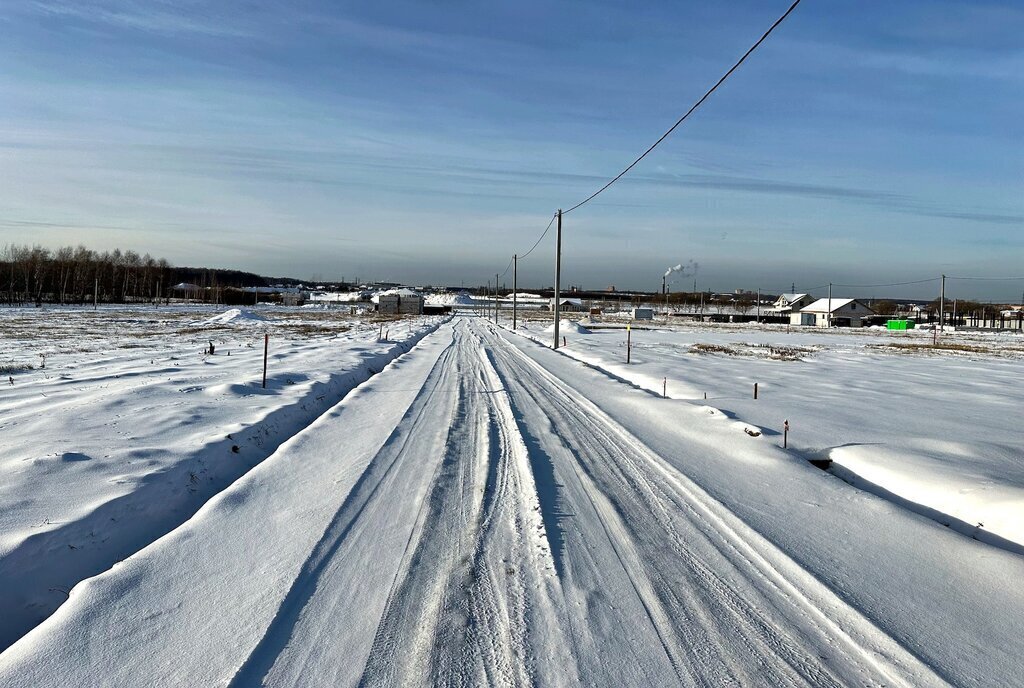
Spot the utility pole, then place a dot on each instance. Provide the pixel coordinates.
(515, 288)
(828, 316)
(759, 304)
(496, 298)
(558, 273)
(942, 305)
(96, 294)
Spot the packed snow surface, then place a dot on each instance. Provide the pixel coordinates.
(487, 511)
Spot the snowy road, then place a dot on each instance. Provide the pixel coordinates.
(467, 517)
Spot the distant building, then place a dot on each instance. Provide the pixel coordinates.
(399, 302)
(294, 298)
(786, 304)
(844, 313)
(567, 305)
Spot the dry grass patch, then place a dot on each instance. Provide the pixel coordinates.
(770, 351)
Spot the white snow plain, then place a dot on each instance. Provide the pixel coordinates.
(487, 511)
(937, 429)
(117, 425)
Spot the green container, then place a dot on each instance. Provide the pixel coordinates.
(900, 324)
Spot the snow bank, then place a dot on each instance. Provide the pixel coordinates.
(459, 299)
(960, 481)
(567, 327)
(110, 447)
(234, 316)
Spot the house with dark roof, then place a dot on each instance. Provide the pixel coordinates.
(832, 312)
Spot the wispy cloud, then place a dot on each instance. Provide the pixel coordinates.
(169, 17)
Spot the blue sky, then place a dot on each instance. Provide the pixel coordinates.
(427, 141)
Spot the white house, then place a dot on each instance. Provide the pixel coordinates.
(790, 303)
(832, 313)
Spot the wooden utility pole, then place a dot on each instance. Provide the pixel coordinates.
(558, 274)
(515, 288)
(942, 305)
(828, 316)
(496, 298)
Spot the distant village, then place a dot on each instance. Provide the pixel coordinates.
(795, 309)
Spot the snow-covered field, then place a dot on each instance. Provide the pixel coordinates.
(939, 429)
(117, 425)
(486, 511)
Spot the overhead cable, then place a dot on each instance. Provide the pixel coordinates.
(688, 112)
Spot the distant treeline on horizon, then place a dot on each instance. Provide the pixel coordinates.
(78, 275)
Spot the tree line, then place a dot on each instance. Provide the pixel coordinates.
(78, 275)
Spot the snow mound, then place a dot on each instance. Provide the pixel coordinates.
(970, 482)
(567, 327)
(459, 299)
(234, 316)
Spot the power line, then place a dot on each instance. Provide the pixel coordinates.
(545, 233)
(535, 245)
(893, 284)
(505, 271)
(688, 112)
(988, 279)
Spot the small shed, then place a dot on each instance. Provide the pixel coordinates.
(567, 305)
(832, 312)
(293, 298)
(399, 302)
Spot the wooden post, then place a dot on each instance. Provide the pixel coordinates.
(755, 390)
(380, 332)
(266, 348)
(563, 342)
(785, 434)
(629, 342)
(664, 387)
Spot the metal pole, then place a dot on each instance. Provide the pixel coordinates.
(558, 274)
(759, 304)
(96, 294)
(942, 305)
(515, 288)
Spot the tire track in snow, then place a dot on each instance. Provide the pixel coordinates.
(722, 612)
(382, 479)
(480, 579)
